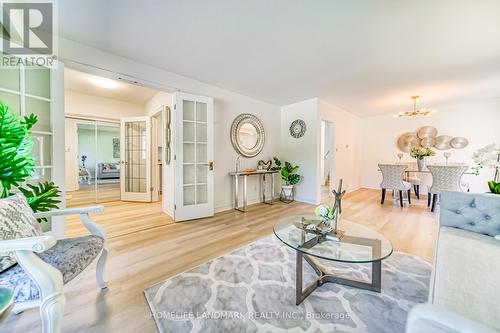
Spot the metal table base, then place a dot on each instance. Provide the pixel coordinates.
(263, 185)
(324, 277)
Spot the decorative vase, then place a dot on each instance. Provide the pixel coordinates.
(421, 164)
(287, 190)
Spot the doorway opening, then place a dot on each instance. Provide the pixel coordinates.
(161, 134)
(327, 159)
(109, 140)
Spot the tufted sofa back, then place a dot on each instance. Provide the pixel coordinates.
(392, 176)
(471, 211)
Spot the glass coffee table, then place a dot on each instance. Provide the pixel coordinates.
(359, 245)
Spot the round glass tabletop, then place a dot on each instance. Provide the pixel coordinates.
(358, 245)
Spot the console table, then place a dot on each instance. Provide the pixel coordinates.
(263, 185)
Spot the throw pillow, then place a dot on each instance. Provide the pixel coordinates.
(16, 221)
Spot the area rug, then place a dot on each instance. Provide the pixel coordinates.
(253, 290)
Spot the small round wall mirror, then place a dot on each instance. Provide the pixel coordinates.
(247, 135)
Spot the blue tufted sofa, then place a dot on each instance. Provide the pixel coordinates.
(465, 284)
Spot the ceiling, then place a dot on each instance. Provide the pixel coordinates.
(84, 83)
(366, 56)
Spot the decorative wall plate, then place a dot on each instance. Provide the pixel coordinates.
(427, 132)
(407, 141)
(298, 128)
(459, 142)
(443, 142)
(428, 142)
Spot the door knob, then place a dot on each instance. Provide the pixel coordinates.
(210, 166)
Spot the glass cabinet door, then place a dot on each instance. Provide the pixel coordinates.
(28, 90)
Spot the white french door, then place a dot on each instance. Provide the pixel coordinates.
(193, 159)
(135, 152)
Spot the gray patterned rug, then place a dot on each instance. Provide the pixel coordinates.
(253, 290)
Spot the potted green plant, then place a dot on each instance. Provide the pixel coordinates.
(17, 165)
(288, 175)
(489, 157)
(420, 153)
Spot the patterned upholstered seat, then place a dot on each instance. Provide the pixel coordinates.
(392, 179)
(444, 178)
(70, 256)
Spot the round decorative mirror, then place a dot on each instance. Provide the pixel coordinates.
(247, 135)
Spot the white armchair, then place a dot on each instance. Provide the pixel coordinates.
(47, 266)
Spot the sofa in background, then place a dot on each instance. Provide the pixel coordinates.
(108, 170)
(465, 284)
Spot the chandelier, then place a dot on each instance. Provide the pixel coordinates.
(415, 111)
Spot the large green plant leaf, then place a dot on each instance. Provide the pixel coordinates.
(16, 163)
(494, 187)
(294, 179)
(41, 197)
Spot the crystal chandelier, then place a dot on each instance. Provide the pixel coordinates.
(415, 111)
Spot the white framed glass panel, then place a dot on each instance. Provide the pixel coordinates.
(135, 157)
(188, 111)
(42, 110)
(41, 175)
(37, 81)
(12, 100)
(42, 149)
(9, 79)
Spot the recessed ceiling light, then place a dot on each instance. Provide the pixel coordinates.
(104, 83)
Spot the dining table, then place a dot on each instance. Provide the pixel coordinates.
(412, 169)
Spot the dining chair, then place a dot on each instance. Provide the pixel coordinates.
(444, 178)
(392, 179)
(413, 179)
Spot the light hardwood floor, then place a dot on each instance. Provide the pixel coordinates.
(87, 194)
(147, 247)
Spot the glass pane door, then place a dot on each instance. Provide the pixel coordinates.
(194, 155)
(195, 162)
(136, 159)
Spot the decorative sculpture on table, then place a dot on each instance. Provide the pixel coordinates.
(261, 165)
(329, 215)
(338, 205)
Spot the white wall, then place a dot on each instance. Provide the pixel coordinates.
(303, 151)
(227, 106)
(478, 122)
(100, 107)
(306, 151)
(327, 145)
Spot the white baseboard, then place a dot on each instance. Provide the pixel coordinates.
(230, 206)
(307, 200)
(370, 187)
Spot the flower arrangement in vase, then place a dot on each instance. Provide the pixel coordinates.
(489, 157)
(420, 153)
